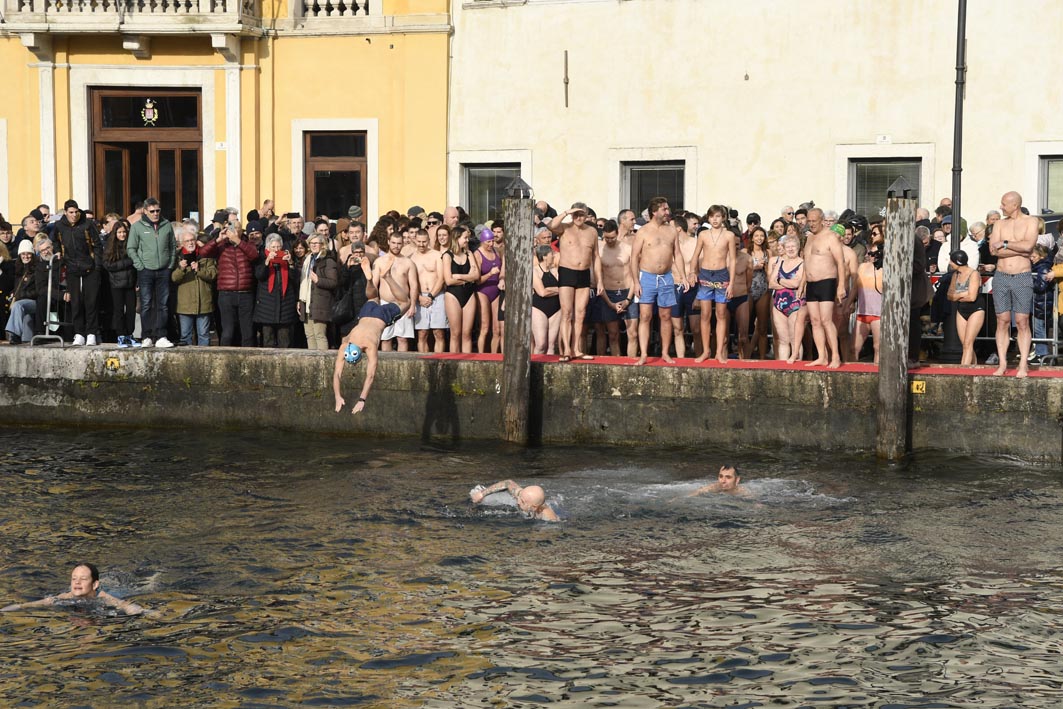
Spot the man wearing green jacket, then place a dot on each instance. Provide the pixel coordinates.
(153, 248)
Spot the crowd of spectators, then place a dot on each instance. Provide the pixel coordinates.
(268, 279)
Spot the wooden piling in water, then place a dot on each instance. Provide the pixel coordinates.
(892, 412)
(516, 345)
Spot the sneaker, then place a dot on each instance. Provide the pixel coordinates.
(79, 341)
(146, 342)
(90, 341)
(1034, 358)
(124, 342)
(163, 343)
(133, 342)
(992, 359)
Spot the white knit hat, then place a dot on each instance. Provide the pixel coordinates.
(26, 247)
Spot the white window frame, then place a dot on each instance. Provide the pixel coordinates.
(617, 157)
(625, 179)
(466, 166)
(370, 126)
(1037, 152)
(844, 154)
(458, 159)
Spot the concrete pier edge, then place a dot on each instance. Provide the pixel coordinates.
(454, 400)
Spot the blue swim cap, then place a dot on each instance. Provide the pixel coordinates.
(353, 353)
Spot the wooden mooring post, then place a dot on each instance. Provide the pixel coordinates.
(892, 432)
(516, 345)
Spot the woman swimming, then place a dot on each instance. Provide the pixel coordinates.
(84, 586)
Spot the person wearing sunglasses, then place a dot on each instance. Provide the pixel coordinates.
(153, 247)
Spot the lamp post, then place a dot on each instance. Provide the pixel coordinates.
(516, 345)
(951, 348)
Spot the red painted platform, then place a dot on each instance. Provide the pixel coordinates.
(983, 370)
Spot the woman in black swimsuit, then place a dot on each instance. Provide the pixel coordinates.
(965, 291)
(460, 273)
(546, 304)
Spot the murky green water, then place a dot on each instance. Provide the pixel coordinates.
(296, 571)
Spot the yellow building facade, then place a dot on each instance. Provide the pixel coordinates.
(316, 104)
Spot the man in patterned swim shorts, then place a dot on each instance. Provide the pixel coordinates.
(1012, 243)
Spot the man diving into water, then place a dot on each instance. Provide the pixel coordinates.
(364, 339)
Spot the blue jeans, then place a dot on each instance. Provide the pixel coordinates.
(202, 325)
(154, 296)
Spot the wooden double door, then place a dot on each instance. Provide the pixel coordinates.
(147, 143)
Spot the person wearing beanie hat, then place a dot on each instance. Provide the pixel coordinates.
(20, 321)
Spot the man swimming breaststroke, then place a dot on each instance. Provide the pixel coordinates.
(531, 499)
(727, 482)
(84, 586)
(364, 339)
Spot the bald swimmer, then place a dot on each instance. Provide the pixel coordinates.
(531, 499)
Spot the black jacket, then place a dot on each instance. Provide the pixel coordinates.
(25, 286)
(79, 244)
(120, 271)
(273, 308)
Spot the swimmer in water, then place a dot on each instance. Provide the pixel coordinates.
(84, 586)
(727, 482)
(531, 499)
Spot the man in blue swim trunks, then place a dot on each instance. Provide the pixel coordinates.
(655, 251)
(363, 342)
(713, 264)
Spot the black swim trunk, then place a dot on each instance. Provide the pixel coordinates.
(967, 309)
(571, 278)
(735, 302)
(825, 291)
(388, 312)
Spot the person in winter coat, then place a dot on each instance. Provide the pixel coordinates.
(194, 278)
(79, 245)
(320, 277)
(278, 294)
(19, 325)
(153, 248)
(235, 257)
(122, 277)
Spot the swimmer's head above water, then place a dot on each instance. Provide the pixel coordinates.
(531, 499)
(84, 581)
(728, 478)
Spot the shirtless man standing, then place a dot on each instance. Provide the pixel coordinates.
(363, 341)
(579, 255)
(431, 315)
(626, 222)
(827, 280)
(1012, 242)
(656, 249)
(845, 306)
(402, 271)
(617, 304)
(683, 310)
(713, 264)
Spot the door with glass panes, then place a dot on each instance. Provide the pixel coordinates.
(147, 143)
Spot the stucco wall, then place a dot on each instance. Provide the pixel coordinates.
(770, 97)
(594, 404)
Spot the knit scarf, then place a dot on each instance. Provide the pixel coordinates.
(277, 259)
